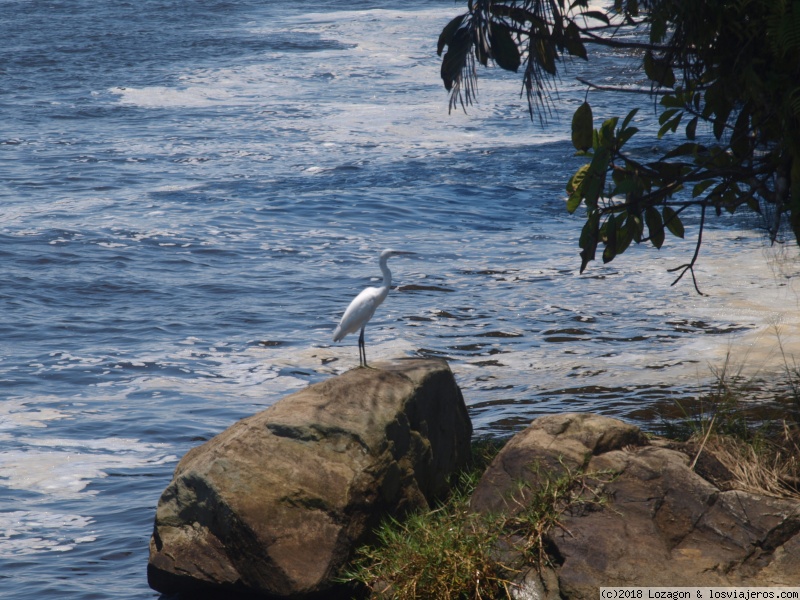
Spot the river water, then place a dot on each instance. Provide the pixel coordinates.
(192, 192)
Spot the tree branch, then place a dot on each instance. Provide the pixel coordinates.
(690, 266)
(611, 43)
(611, 88)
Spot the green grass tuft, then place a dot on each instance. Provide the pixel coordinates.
(451, 553)
(441, 554)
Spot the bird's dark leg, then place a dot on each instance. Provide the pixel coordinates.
(362, 350)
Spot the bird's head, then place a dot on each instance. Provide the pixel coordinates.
(386, 254)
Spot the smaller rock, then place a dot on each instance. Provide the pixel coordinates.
(661, 524)
(549, 446)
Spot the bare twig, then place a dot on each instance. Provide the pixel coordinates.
(612, 43)
(613, 88)
(703, 445)
(690, 266)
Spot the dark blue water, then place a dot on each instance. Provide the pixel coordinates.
(192, 192)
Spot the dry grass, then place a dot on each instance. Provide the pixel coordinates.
(770, 467)
(761, 454)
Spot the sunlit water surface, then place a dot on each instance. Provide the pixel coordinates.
(192, 192)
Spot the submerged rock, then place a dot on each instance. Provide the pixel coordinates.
(276, 503)
(648, 519)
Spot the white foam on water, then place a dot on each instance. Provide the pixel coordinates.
(60, 468)
(185, 97)
(393, 50)
(756, 289)
(24, 532)
(16, 413)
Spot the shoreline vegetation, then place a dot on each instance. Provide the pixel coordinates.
(451, 552)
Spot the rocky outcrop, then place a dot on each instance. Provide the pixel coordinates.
(659, 523)
(276, 503)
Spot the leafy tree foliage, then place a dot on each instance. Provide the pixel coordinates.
(728, 67)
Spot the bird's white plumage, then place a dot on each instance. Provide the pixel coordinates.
(360, 311)
(363, 306)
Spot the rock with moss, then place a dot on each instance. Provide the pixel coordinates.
(276, 503)
(632, 513)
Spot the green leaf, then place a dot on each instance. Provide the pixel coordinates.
(691, 128)
(658, 70)
(587, 232)
(596, 14)
(625, 186)
(720, 120)
(667, 115)
(576, 181)
(589, 237)
(582, 124)
(753, 204)
(668, 76)
(629, 118)
(671, 101)
(482, 51)
(684, 149)
(573, 43)
(730, 200)
(668, 170)
(575, 189)
(448, 32)
(671, 125)
(455, 58)
(673, 222)
(624, 234)
(655, 226)
(577, 48)
(596, 177)
(718, 192)
(658, 29)
(515, 13)
(573, 202)
(701, 187)
(626, 134)
(504, 49)
(635, 226)
(545, 54)
(739, 138)
(610, 250)
(606, 133)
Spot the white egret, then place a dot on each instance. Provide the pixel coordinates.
(363, 307)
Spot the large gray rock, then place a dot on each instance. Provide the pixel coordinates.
(276, 503)
(662, 524)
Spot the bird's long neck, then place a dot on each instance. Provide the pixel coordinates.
(387, 274)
